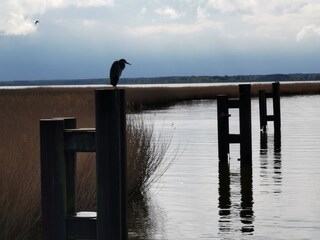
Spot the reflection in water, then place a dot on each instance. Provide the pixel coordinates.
(189, 205)
(224, 196)
(145, 220)
(246, 212)
(277, 170)
(264, 142)
(227, 209)
(264, 161)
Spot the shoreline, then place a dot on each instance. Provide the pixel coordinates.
(156, 95)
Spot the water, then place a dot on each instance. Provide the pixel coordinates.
(279, 198)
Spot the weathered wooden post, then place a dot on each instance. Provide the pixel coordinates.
(275, 117)
(276, 114)
(244, 138)
(53, 178)
(223, 127)
(263, 110)
(123, 167)
(245, 123)
(70, 161)
(59, 142)
(111, 164)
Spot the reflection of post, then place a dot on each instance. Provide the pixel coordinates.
(224, 196)
(246, 212)
(277, 168)
(224, 189)
(263, 143)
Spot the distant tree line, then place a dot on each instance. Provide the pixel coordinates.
(226, 78)
(173, 80)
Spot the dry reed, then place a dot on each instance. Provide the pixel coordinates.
(19, 155)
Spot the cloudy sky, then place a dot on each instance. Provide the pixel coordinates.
(81, 38)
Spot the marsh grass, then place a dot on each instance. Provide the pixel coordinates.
(21, 110)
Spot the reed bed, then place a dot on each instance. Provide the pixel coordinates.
(21, 110)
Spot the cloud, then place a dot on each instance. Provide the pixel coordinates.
(307, 32)
(17, 17)
(175, 28)
(168, 12)
(78, 3)
(225, 6)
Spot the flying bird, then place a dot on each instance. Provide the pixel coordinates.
(116, 70)
(36, 22)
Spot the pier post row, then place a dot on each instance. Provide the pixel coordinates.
(59, 141)
(243, 103)
(276, 116)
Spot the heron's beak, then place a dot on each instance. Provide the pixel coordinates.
(128, 63)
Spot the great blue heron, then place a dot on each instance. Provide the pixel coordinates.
(116, 70)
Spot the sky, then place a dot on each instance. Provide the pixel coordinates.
(81, 38)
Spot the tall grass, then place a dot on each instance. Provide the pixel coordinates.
(20, 111)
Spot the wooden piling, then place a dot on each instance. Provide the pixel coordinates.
(223, 127)
(70, 161)
(244, 137)
(110, 117)
(276, 114)
(263, 110)
(53, 178)
(59, 143)
(245, 123)
(123, 167)
(275, 117)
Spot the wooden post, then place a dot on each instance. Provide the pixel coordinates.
(123, 167)
(276, 114)
(70, 158)
(263, 110)
(245, 123)
(223, 127)
(110, 117)
(53, 179)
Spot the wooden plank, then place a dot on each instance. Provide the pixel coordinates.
(270, 118)
(269, 95)
(234, 138)
(233, 103)
(80, 140)
(82, 225)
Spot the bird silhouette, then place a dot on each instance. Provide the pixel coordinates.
(116, 70)
(36, 22)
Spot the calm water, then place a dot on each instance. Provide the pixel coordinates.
(279, 198)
